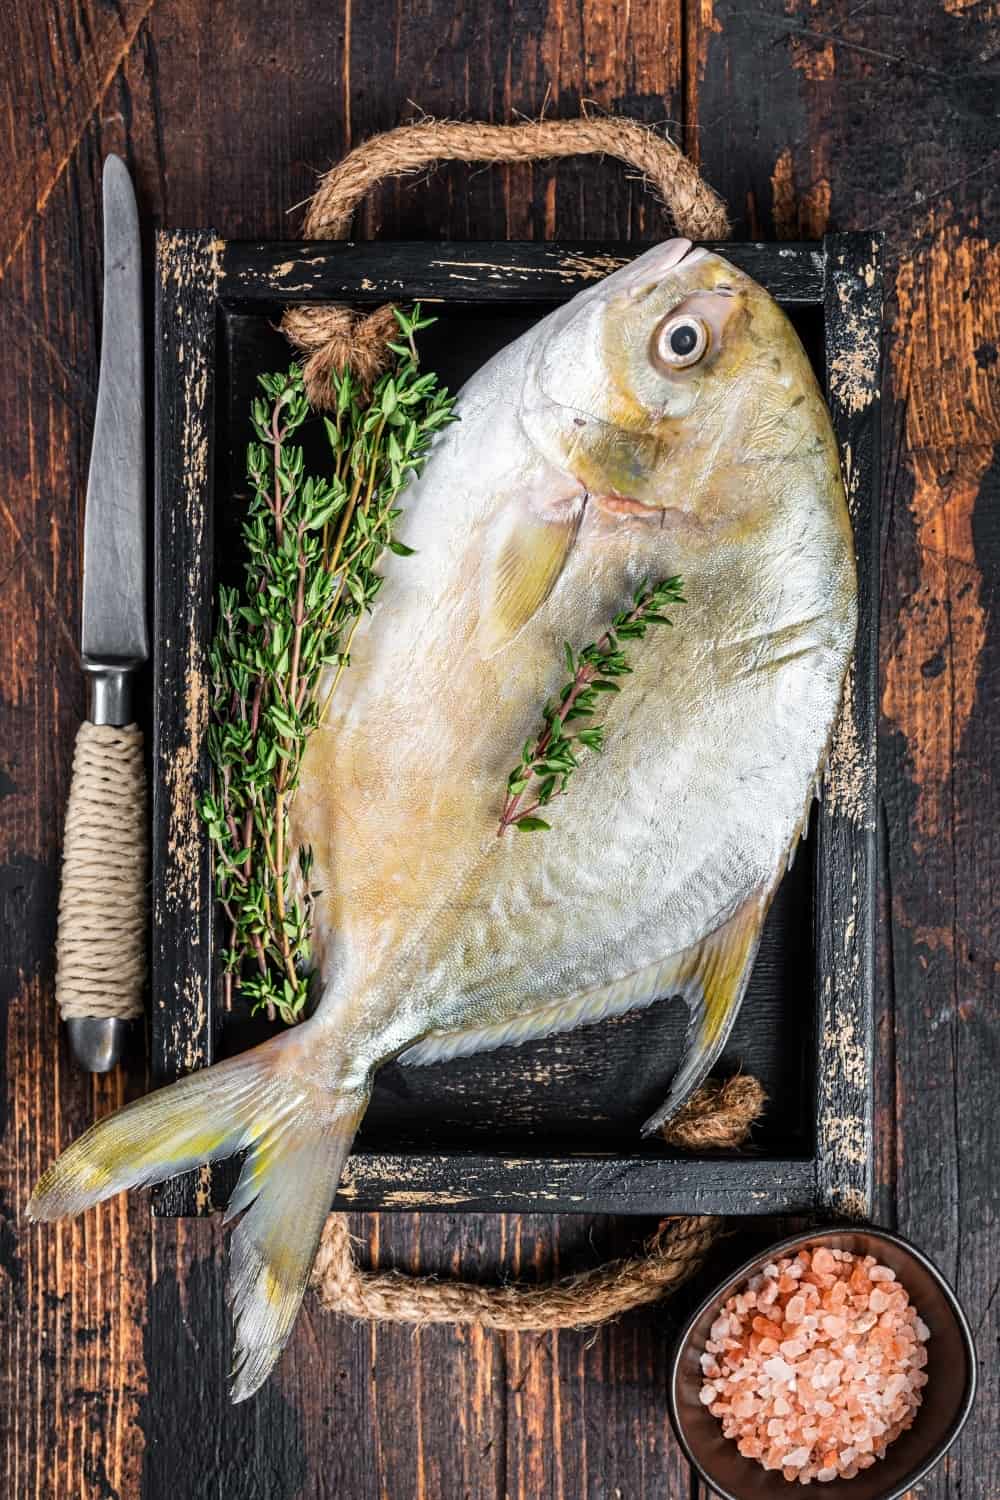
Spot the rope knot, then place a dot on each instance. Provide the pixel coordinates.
(337, 338)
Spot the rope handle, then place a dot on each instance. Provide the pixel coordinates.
(718, 1116)
(696, 210)
(331, 336)
(100, 949)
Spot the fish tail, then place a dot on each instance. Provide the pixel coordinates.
(296, 1134)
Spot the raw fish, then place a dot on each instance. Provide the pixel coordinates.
(665, 421)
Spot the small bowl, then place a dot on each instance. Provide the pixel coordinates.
(947, 1396)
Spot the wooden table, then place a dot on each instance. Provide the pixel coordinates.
(806, 116)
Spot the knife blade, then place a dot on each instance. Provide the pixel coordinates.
(114, 634)
(102, 923)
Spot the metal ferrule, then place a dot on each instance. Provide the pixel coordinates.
(110, 693)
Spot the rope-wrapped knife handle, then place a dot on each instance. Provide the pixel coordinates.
(100, 951)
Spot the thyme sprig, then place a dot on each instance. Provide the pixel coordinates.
(283, 641)
(548, 761)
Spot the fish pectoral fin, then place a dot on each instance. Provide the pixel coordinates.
(523, 565)
(712, 977)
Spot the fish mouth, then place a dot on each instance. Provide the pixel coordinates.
(650, 267)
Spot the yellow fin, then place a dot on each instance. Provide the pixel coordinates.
(711, 976)
(526, 562)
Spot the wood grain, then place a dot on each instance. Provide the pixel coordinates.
(807, 116)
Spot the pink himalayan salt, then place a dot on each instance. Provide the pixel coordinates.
(816, 1365)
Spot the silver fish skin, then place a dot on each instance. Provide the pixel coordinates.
(664, 421)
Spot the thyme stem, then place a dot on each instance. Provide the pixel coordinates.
(548, 761)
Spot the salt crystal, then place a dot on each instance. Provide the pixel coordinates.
(816, 1365)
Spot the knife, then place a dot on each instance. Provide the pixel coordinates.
(101, 944)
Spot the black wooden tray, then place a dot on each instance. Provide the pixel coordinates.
(552, 1125)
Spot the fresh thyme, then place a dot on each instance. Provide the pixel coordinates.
(282, 642)
(548, 761)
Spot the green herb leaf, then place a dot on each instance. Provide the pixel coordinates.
(548, 761)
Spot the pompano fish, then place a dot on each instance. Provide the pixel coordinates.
(664, 421)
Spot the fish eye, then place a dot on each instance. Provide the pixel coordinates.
(681, 341)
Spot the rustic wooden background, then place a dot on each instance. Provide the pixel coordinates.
(807, 115)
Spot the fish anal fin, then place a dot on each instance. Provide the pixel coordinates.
(712, 977)
(584, 1009)
(528, 554)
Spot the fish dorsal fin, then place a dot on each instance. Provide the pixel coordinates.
(711, 976)
(528, 553)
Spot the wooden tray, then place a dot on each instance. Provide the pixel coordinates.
(553, 1125)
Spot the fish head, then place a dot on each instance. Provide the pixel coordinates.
(676, 384)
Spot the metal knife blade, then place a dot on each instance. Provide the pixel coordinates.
(114, 635)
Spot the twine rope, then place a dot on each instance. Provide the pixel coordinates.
(100, 950)
(333, 337)
(694, 208)
(718, 1116)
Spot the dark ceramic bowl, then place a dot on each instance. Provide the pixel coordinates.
(948, 1394)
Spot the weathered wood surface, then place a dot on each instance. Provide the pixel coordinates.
(807, 116)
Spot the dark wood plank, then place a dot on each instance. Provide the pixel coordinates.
(484, 271)
(183, 1032)
(846, 874)
(72, 1296)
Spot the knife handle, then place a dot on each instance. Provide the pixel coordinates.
(101, 944)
